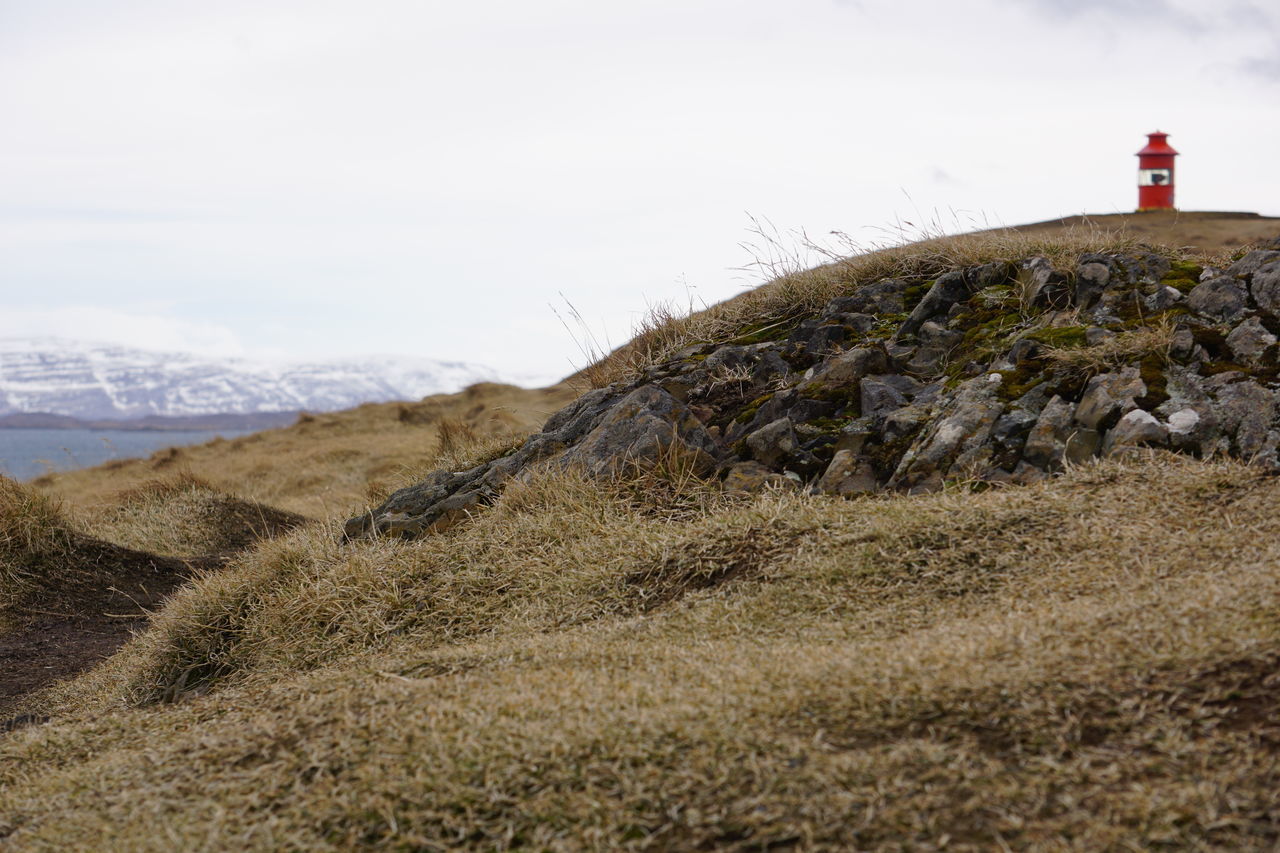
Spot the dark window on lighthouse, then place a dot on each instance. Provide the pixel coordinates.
(1154, 177)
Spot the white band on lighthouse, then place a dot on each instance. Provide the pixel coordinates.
(1154, 177)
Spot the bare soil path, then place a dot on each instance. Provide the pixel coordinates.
(89, 620)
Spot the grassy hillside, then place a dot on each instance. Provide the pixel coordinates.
(326, 464)
(649, 662)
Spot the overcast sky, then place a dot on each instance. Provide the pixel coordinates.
(319, 178)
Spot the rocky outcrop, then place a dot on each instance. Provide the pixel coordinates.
(1005, 372)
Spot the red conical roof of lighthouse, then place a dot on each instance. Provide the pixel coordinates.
(1156, 145)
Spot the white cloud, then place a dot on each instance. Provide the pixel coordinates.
(159, 332)
(328, 176)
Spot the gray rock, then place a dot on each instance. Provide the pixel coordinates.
(806, 410)
(1191, 413)
(640, 431)
(1252, 262)
(1164, 298)
(946, 291)
(1266, 287)
(881, 297)
(1095, 335)
(603, 432)
(1183, 344)
(1047, 441)
(1183, 422)
(1219, 298)
(1081, 445)
(750, 477)
(1249, 341)
(879, 397)
(1142, 266)
(928, 359)
(1136, 429)
(1107, 397)
(1092, 277)
(935, 333)
(849, 368)
(820, 339)
(854, 435)
(994, 274)
(956, 438)
(847, 475)
(774, 442)
(903, 422)
(857, 323)
(1044, 286)
(1247, 413)
(776, 406)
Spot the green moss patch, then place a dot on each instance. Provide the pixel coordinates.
(1183, 275)
(1060, 337)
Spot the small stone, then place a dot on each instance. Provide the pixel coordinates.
(1136, 429)
(1183, 344)
(1092, 278)
(853, 435)
(927, 359)
(1025, 474)
(773, 442)
(751, 477)
(826, 339)
(848, 475)
(1095, 335)
(938, 334)
(855, 322)
(903, 422)
(1183, 421)
(878, 397)
(1249, 341)
(1107, 397)
(949, 289)
(1046, 442)
(640, 430)
(1081, 445)
(1045, 287)
(881, 297)
(957, 436)
(849, 367)
(1247, 410)
(1190, 413)
(1163, 299)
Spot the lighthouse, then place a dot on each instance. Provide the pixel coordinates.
(1155, 173)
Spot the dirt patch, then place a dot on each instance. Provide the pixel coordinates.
(90, 616)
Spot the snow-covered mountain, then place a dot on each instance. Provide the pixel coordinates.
(94, 380)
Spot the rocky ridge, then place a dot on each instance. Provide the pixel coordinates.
(1002, 372)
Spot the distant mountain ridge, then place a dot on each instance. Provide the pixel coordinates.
(95, 381)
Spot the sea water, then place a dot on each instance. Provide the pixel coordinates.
(27, 453)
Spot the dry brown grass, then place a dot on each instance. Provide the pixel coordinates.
(1071, 665)
(182, 515)
(1114, 352)
(326, 465)
(35, 541)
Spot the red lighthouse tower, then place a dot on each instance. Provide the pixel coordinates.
(1155, 173)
